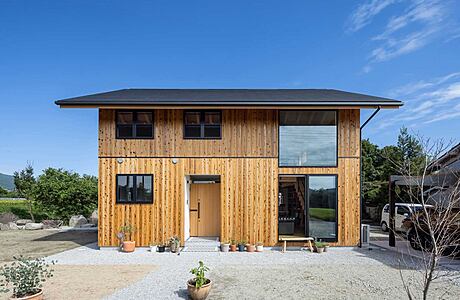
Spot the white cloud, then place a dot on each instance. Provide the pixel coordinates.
(419, 24)
(364, 14)
(427, 101)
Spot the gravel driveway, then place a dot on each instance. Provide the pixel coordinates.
(341, 273)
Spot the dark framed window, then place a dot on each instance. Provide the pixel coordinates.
(307, 206)
(134, 189)
(134, 124)
(202, 124)
(308, 138)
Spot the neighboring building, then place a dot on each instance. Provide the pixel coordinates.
(243, 164)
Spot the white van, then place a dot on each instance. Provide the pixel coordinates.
(402, 211)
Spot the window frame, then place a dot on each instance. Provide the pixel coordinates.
(336, 138)
(307, 204)
(134, 125)
(202, 125)
(117, 192)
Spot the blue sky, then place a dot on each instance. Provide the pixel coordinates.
(50, 50)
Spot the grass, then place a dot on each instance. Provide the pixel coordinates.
(19, 208)
(326, 214)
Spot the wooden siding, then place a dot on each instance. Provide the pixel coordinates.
(246, 160)
(248, 204)
(245, 133)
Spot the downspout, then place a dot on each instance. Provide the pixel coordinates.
(361, 174)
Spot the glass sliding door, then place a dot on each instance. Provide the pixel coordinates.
(291, 206)
(322, 207)
(307, 206)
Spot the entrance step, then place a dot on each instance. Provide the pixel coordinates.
(202, 244)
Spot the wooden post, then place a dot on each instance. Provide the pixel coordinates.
(391, 219)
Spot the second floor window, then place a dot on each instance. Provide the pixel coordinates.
(134, 125)
(202, 125)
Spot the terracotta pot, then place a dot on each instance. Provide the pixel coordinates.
(250, 248)
(319, 250)
(198, 293)
(129, 246)
(260, 248)
(37, 296)
(233, 248)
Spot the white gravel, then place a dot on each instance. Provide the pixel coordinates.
(341, 273)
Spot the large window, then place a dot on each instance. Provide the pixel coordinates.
(308, 138)
(134, 124)
(132, 189)
(202, 124)
(322, 206)
(307, 206)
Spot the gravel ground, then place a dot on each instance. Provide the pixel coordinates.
(341, 273)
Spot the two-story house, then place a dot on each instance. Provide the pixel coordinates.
(252, 164)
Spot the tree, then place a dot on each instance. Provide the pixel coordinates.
(3, 192)
(412, 156)
(435, 231)
(24, 182)
(62, 194)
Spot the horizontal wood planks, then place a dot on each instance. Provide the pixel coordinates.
(248, 204)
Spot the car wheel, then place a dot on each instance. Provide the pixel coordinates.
(384, 226)
(412, 238)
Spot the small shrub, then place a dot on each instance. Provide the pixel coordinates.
(25, 275)
(199, 272)
(127, 232)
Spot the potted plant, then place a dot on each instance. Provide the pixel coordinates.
(128, 245)
(153, 248)
(319, 247)
(241, 246)
(26, 276)
(161, 248)
(233, 245)
(199, 287)
(260, 247)
(326, 246)
(250, 247)
(224, 247)
(174, 243)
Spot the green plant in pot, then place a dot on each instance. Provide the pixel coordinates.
(128, 244)
(241, 245)
(174, 244)
(26, 277)
(233, 245)
(319, 247)
(199, 286)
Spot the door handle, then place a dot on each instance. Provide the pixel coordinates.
(198, 210)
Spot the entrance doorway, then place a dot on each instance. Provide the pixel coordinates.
(204, 206)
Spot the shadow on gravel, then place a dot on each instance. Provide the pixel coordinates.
(389, 258)
(182, 293)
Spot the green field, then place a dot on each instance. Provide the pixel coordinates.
(19, 208)
(325, 214)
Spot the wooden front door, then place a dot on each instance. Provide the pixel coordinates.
(205, 209)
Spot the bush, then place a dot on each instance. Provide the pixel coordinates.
(62, 194)
(20, 209)
(25, 275)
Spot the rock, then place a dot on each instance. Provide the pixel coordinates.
(23, 221)
(33, 226)
(13, 226)
(77, 221)
(48, 224)
(7, 217)
(93, 218)
(4, 227)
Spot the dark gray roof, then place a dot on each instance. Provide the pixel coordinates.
(229, 97)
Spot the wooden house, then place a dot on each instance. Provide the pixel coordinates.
(241, 164)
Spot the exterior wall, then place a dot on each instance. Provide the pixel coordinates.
(246, 158)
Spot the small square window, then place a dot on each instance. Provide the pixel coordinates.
(132, 189)
(134, 125)
(202, 125)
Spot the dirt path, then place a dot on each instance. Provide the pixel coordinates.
(40, 243)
